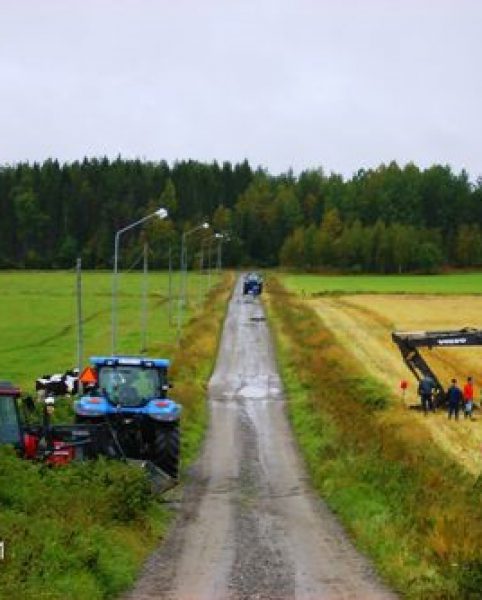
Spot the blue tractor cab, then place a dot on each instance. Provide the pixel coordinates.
(130, 393)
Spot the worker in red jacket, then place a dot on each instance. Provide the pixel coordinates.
(468, 398)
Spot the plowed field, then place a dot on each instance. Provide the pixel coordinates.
(363, 324)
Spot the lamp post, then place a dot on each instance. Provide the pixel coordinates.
(201, 270)
(161, 213)
(183, 274)
(216, 236)
(219, 259)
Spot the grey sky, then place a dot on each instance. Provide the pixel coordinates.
(340, 84)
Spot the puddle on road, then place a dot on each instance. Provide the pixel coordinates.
(253, 391)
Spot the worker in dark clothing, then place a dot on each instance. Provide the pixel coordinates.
(425, 391)
(454, 399)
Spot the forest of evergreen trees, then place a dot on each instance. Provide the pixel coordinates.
(390, 219)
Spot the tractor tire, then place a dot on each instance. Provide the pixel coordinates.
(166, 449)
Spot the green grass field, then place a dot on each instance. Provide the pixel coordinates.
(38, 318)
(454, 283)
(82, 532)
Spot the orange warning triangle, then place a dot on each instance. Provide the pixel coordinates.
(88, 376)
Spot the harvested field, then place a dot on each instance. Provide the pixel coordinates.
(363, 324)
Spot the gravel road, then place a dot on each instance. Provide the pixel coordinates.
(249, 526)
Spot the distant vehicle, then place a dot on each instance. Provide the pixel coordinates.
(252, 284)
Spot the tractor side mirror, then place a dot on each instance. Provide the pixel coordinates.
(28, 404)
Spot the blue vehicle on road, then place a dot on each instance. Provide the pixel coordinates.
(130, 394)
(252, 284)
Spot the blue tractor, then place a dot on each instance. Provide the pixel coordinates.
(129, 395)
(252, 284)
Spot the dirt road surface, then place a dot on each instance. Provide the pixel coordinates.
(249, 525)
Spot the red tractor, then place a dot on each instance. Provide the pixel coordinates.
(62, 444)
(54, 444)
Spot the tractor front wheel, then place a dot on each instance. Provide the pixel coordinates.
(167, 448)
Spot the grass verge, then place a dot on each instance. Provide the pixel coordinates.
(405, 503)
(82, 532)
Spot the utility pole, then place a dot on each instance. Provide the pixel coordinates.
(170, 286)
(201, 267)
(219, 257)
(145, 284)
(182, 300)
(80, 332)
(209, 265)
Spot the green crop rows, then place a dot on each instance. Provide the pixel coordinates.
(456, 283)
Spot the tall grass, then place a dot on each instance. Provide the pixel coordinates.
(403, 501)
(82, 532)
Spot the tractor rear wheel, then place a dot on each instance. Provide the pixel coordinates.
(166, 448)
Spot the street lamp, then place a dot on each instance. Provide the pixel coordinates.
(161, 213)
(216, 236)
(183, 274)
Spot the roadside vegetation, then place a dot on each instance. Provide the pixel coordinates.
(83, 531)
(405, 502)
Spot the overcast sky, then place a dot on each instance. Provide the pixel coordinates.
(341, 84)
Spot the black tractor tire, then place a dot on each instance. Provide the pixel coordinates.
(166, 450)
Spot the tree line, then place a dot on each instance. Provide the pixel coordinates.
(388, 219)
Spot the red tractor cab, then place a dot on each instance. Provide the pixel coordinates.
(10, 429)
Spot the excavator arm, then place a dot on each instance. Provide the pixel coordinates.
(409, 343)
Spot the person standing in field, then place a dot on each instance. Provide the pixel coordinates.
(425, 391)
(454, 400)
(468, 398)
